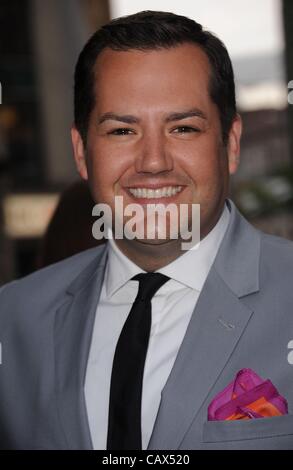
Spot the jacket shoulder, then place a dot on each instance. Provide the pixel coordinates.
(52, 280)
(276, 266)
(277, 249)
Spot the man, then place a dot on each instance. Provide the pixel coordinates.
(82, 367)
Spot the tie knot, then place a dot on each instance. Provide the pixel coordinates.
(149, 284)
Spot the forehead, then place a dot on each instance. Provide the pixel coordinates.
(152, 77)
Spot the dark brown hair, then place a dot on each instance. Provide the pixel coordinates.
(150, 30)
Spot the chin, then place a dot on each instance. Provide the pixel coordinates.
(154, 241)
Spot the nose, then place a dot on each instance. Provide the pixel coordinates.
(154, 156)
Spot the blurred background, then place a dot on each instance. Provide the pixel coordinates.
(39, 44)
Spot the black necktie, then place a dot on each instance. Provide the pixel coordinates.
(124, 424)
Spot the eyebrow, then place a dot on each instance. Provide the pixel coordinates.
(186, 114)
(127, 118)
(130, 119)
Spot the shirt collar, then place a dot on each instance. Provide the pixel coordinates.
(120, 269)
(190, 269)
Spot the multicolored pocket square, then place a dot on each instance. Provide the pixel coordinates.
(248, 396)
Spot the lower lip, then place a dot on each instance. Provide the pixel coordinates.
(155, 200)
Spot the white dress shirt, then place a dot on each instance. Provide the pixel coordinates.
(172, 307)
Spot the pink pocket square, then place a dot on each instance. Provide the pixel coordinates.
(248, 396)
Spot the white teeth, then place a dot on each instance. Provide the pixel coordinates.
(166, 191)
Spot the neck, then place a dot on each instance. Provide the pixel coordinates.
(151, 256)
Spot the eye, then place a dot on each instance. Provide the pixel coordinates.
(121, 131)
(185, 129)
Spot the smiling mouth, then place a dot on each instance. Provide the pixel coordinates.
(157, 193)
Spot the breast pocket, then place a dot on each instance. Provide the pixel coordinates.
(239, 430)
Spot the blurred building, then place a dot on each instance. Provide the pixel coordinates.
(39, 44)
(263, 186)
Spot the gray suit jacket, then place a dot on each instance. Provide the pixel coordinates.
(243, 318)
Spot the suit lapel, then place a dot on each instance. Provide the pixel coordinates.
(73, 329)
(216, 326)
(213, 332)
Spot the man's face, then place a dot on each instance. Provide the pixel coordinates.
(155, 126)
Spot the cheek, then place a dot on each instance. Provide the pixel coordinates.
(206, 166)
(105, 171)
(201, 166)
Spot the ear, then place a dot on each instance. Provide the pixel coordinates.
(233, 146)
(79, 152)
